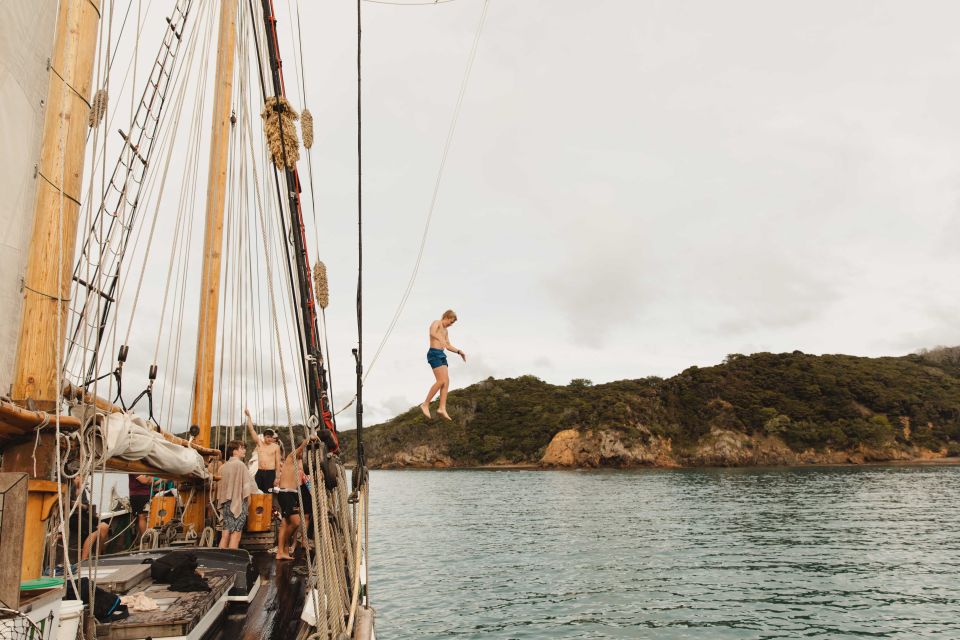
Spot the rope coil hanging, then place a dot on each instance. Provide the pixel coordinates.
(320, 286)
(306, 128)
(98, 107)
(281, 131)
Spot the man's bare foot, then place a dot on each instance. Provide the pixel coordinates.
(443, 413)
(284, 557)
(426, 410)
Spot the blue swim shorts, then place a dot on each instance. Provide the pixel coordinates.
(436, 358)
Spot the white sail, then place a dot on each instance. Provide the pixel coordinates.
(26, 44)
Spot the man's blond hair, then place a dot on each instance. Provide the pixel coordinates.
(449, 314)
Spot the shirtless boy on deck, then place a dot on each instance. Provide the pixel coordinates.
(437, 359)
(268, 456)
(289, 500)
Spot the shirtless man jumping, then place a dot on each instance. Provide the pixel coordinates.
(437, 360)
(268, 456)
(289, 500)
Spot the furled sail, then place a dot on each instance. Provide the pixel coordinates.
(128, 437)
(26, 44)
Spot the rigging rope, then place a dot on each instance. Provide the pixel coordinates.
(436, 190)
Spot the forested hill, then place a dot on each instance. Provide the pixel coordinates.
(763, 408)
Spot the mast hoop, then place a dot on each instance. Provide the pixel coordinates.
(42, 294)
(69, 86)
(60, 189)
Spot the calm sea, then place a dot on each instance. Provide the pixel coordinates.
(869, 552)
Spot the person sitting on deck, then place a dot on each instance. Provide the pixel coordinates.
(437, 359)
(88, 525)
(233, 494)
(268, 456)
(289, 498)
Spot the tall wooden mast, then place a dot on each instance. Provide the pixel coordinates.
(46, 286)
(213, 236)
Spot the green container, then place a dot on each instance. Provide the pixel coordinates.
(41, 583)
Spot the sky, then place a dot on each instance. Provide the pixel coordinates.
(633, 187)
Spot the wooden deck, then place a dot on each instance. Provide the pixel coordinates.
(179, 613)
(274, 613)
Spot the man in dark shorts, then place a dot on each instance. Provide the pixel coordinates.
(289, 499)
(139, 499)
(268, 456)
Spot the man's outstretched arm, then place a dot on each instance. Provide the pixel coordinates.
(299, 452)
(250, 429)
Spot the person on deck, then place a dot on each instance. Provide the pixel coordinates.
(140, 486)
(233, 494)
(437, 359)
(289, 499)
(89, 527)
(268, 456)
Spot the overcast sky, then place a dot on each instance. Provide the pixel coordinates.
(637, 187)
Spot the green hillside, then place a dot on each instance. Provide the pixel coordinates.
(831, 402)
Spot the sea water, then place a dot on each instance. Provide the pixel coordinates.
(841, 552)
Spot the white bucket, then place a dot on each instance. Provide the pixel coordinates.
(71, 613)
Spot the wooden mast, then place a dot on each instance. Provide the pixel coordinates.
(213, 235)
(46, 286)
(46, 289)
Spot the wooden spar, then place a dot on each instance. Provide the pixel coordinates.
(46, 287)
(213, 235)
(202, 450)
(138, 467)
(202, 408)
(14, 419)
(73, 392)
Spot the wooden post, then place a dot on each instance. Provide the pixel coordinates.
(46, 287)
(13, 500)
(43, 495)
(213, 235)
(195, 515)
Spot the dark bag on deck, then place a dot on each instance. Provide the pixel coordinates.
(106, 606)
(165, 568)
(179, 570)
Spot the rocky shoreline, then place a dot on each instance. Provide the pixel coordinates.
(602, 448)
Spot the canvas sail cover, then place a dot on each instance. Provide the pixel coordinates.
(128, 437)
(26, 44)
